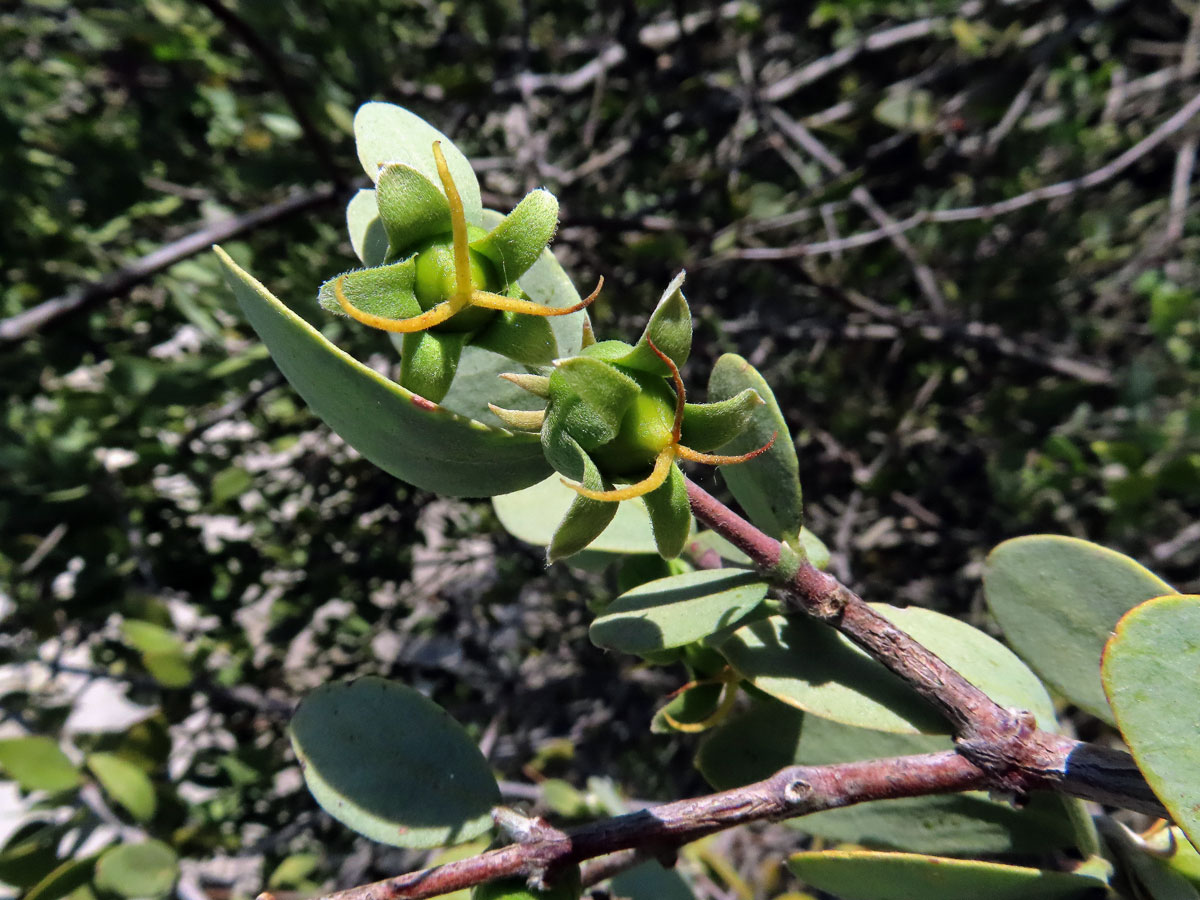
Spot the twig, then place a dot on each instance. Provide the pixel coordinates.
(793, 791)
(274, 69)
(923, 274)
(656, 36)
(1092, 179)
(1005, 743)
(879, 40)
(23, 324)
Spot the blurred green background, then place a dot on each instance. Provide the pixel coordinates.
(955, 372)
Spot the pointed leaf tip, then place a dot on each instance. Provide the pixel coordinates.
(670, 330)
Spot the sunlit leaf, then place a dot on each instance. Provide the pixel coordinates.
(1151, 674)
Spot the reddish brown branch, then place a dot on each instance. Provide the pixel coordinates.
(1016, 755)
(794, 791)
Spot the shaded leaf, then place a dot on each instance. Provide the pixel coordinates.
(68, 877)
(526, 339)
(429, 447)
(691, 710)
(650, 881)
(367, 234)
(392, 765)
(1057, 599)
(873, 875)
(768, 486)
(138, 870)
(678, 610)
(1151, 675)
(810, 666)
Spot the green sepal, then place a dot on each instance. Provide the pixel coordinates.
(608, 351)
(516, 243)
(526, 339)
(607, 391)
(670, 514)
(670, 328)
(428, 362)
(585, 518)
(707, 426)
(382, 291)
(411, 207)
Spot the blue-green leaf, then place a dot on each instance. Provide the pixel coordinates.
(392, 765)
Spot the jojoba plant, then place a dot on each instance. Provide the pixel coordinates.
(926, 755)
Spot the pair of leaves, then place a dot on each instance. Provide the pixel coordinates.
(1117, 641)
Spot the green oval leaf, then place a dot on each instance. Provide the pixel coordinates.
(386, 133)
(138, 870)
(1151, 674)
(678, 610)
(1057, 600)
(768, 486)
(406, 436)
(37, 763)
(532, 515)
(810, 666)
(872, 875)
(126, 783)
(391, 764)
(770, 736)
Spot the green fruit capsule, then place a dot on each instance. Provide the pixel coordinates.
(645, 429)
(435, 283)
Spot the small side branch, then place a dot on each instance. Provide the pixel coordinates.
(23, 324)
(793, 791)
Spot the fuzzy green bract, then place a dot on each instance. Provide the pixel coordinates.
(871, 875)
(392, 765)
(1151, 674)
